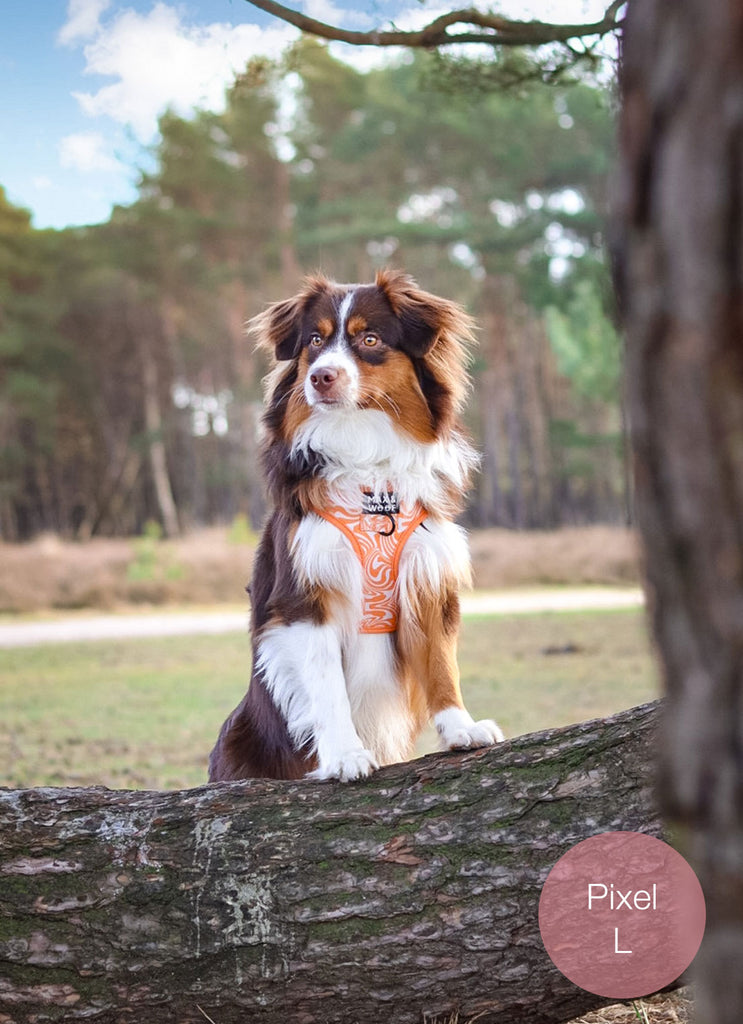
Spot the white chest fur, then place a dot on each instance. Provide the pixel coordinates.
(362, 448)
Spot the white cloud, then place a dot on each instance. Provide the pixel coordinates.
(567, 11)
(157, 61)
(331, 14)
(416, 17)
(83, 20)
(87, 151)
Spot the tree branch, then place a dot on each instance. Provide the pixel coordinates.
(409, 896)
(497, 30)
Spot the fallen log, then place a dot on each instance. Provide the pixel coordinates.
(403, 898)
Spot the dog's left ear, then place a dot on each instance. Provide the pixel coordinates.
(423, 317)
(279, 327)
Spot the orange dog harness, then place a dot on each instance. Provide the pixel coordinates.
(378, 532)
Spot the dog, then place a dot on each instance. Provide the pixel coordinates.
(355, 588)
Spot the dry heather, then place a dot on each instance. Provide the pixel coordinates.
(209, 566)
(667, 1008)
(673, 1008)
(576, 555)
(201, 568)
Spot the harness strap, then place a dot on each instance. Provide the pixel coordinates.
(378, 533)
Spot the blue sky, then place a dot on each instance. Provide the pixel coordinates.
(84, 81)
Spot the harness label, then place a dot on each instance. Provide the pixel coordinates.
(380, 504)
(379, 512)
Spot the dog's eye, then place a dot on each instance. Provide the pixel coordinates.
(316, 340)
(370, 340)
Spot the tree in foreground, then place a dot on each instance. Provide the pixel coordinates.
(679, 255)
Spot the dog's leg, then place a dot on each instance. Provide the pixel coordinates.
(301, 667)
(454, 724)
(431, 647)
(434, 565)
(379, 705)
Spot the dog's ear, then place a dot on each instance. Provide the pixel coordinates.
(278, 328)
(423, 317)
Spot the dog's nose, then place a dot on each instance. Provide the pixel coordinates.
(323, 380)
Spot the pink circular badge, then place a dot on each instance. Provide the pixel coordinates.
(622, 915)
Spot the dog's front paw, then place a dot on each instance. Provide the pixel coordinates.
(457, 730)
(350, 765)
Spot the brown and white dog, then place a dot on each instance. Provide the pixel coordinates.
(355, 607)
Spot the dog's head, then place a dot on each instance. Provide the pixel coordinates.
(388, 346)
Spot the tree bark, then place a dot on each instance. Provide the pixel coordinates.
(405, 898)
(679, 259)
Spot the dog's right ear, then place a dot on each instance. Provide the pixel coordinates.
(279, 327)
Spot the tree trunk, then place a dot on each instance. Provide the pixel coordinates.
(291, 272)
(496, 398)
(679, 259)
(155, 445)
(403, 898)
(491, 500)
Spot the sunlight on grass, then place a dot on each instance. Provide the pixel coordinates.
(145, 713)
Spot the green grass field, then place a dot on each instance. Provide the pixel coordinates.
(145, 713)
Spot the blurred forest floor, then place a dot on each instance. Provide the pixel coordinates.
(212, 566)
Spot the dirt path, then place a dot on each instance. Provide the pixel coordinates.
(125, 625)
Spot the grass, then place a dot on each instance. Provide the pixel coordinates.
(145, 713)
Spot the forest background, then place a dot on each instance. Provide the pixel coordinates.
(130, 393)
